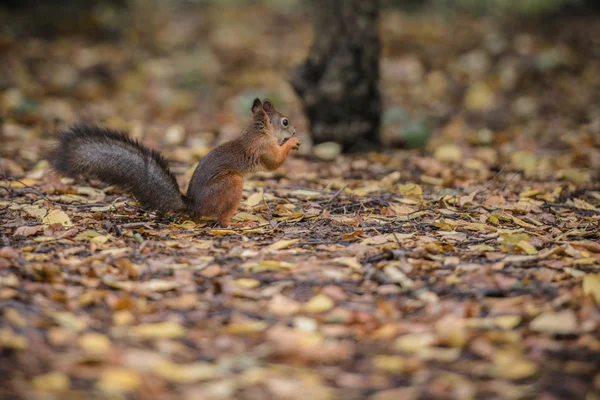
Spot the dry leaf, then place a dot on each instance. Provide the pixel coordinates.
(158, 330)
(562, 322)
(591, 286)
(57, 217)
(185, 373)
(318, 304)
(51, 382)
(119, 380)
(283, 244)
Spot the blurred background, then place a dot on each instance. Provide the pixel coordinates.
(511, 74)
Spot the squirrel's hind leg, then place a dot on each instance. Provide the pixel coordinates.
(232, 188)
(221, 197)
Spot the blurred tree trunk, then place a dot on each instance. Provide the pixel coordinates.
(338, 82)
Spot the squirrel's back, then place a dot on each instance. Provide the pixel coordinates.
(115, 158)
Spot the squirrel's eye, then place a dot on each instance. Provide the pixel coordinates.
(285, 122)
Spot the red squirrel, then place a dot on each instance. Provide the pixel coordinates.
(215, 189)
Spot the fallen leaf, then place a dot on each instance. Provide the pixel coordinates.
(94, 343)
(448, 152)
(527, 247)
(57, 217)
(51, 382)
(185, 373)
(591, 286)
(561, 322)
(283, 244)
(158, 330)
(414, 342)
(318, 304)
(119, 380)
(246, 283)
(27, 230)
(255, 199)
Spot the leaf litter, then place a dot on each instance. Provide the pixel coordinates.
(470, 269)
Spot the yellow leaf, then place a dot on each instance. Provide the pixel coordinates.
(507, 321)
(254, 231)
(95, 195)
(304, 194)
(414, 342)
(389, 363)
(318, 304)
(509, 240)
(481, 248)
(394, 274)
(254, 199)
(159, 330)
(479, 97)
(10, 340)
(69, 321)
(35, 211)
(100, 239)
(527, 247)
(95, 343)
(591, 286)
(389, 237)
(524, 160)
(51, 382)
(186, 225)
(57, 217)
(247, 283)
(411, 190)
(110, 280)
(452, 331)
(562, 322)
(158, 285)
(221, 232)
(87, 235)
(443, 225)
(123, 317)
(583, 205)
(477, 227)
(185, 373)
(327, 151)
(448, 152)
(119, 380)
(245, 328)
(283, 306)
(522, 223)
(283, 244)
(269, 265)
(512, 366)
(245, 216)
(577, 176)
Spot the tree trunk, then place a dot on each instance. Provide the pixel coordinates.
(338, 82)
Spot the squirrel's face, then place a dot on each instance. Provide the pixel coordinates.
(282, 128)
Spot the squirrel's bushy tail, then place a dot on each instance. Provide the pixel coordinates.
(115, 158)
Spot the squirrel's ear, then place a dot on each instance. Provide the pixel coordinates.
(268, 107)
(257, 105)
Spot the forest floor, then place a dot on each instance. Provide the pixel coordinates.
(467, 269)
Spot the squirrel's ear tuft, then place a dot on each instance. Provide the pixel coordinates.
(256, 105)
(268, 107)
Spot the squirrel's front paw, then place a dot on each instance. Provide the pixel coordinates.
(294, 143)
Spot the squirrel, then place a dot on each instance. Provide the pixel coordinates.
(215, 189)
